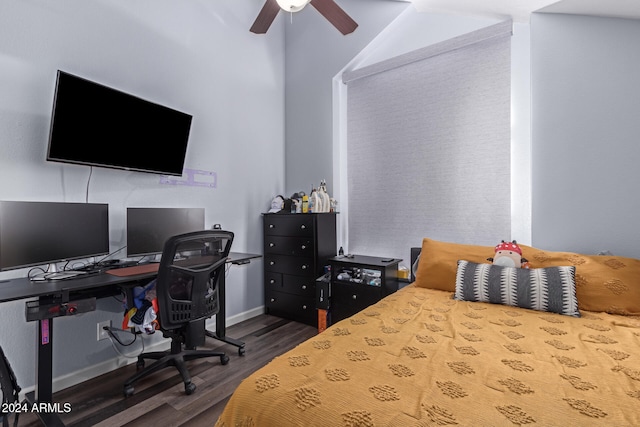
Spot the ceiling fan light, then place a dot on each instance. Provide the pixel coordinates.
(292, 5)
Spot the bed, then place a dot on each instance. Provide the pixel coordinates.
(435, 354)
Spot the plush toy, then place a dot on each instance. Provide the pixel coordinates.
(509, 254)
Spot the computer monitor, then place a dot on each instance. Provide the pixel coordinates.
(37, 233)
(149, 228)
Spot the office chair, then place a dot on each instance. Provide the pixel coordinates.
(187, 292)
(10, 392)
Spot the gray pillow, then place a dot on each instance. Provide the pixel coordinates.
(551, 289)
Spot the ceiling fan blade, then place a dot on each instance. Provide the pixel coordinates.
(266, 16)
(334, 14)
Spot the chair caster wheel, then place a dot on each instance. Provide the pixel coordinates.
(139, 364)
(241, 351)
(224, 359)
(189, 388)
(128, 391)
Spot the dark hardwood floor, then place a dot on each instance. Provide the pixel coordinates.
(159, 399)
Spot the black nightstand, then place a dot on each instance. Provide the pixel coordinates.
(357, 281)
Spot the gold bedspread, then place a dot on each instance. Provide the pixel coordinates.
(420, 358)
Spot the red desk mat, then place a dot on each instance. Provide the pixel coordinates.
(134, 270)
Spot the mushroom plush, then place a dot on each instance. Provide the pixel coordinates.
(509, 254)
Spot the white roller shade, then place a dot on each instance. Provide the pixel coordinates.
(428, 146)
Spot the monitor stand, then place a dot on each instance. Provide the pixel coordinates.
(39, 277)
(52, 268)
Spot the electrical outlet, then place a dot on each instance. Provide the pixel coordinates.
(102, 334)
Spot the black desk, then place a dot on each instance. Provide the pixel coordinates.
(61, 292)
(235, 258)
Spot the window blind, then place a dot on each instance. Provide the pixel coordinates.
(428, 146)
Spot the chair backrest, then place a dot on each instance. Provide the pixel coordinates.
(10, 388)
(190, 268)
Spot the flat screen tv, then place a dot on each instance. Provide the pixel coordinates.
(38, 233)
(95, 125)
(149, 228)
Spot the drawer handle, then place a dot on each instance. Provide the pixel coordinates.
(272, 281)
(303, 247)
(354, 296)
(272, 226)
(272, 262)
(273, 300)
(304, 287)
(271, 245)
(304, 267)
(304, 307)
(303, 227)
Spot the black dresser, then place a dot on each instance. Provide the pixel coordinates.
(296, 249)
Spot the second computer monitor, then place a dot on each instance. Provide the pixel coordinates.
(149, 228)
(38, 233)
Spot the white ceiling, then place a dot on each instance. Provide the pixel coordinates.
(520, 10)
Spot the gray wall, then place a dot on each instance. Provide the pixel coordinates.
(191, 55)
(316, 52)
(585, 133)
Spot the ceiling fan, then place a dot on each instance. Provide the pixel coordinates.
(327, 8)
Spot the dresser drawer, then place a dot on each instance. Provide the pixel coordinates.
(297, 285)
(289, 265)
(282, 245)
(348, 299)
(299, 225)
(292, 307)
(273, 280)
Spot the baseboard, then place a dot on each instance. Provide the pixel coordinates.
(77, 377)
(241, 317)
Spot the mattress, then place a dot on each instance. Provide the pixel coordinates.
(419, 357)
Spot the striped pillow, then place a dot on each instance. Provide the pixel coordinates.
(551, 289)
